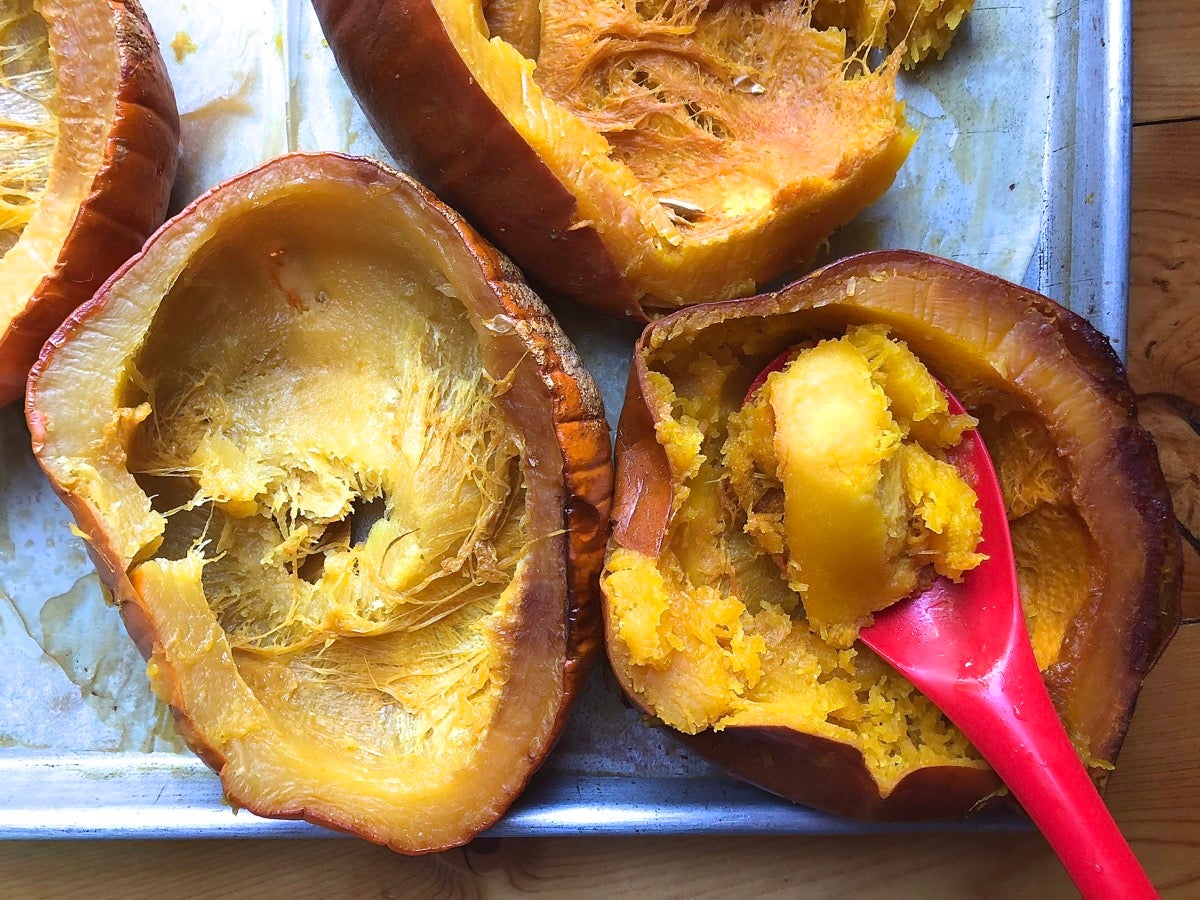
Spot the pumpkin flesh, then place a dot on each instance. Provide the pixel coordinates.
(37, 92)
(839, 463)
(724, 650)
(637, 157)
(28, 130)
(88, 150)
(329, 483)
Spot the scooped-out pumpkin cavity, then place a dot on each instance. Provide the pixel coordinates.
(709, 147)
(715, 107)
(729, 115)
(332, 456)
(89, 145)
(725, 111)
(726, 647)
(721, 630)
(347, 479)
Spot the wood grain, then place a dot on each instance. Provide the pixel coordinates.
(1164, 327)
(1166, 67)
(1175, 424)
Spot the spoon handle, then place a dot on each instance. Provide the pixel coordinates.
(1016, 728)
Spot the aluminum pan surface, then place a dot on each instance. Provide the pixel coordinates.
(1022, 169)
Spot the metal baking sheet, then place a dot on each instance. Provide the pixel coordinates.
(1022, 169)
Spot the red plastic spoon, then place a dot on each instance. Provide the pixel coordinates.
(966, 648)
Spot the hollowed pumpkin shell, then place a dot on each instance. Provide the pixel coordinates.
(348, 482)
(639, 156)
(89, 143)
(704, 632)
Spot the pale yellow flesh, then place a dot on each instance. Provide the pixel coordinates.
(868, 509)
(833, 434)
(28, 128)
(724, 642)
(307, 369)
(710, 633)
(713, 633)
(46, 171)
(924, 27)
(312, 379)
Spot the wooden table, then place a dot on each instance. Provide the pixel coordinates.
(1155, 792)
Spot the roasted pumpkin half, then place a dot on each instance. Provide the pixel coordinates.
(640, 156)
(348, 481)
(89, 143)
(708, 632)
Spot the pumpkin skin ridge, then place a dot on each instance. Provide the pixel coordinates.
(925, 794)
(125, 204)
(1151, 615)
(582, 439)
(1102, 363)
(579, 421)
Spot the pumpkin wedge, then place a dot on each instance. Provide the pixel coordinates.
(637, 157)
(89, 143)
(348, 481)
(704, 629)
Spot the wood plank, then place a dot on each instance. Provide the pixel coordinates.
(1166, 67)
(1164, 328)
(1155, 792)
(1155, 795)
(1175, 424)
(1164, 350)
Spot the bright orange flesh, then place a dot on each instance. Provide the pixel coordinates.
(693, 149)
(738, 122)
(867, 508)
(718, 112)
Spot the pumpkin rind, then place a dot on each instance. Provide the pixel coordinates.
(550, 626)
(128, 198)
(978, 325)
(401, 61)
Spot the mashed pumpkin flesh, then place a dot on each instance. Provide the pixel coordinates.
(848, 431)
(826, 496)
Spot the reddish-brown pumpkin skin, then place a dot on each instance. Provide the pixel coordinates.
(127, 202)
(437, 120)
(834, 776)
(579, 424)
